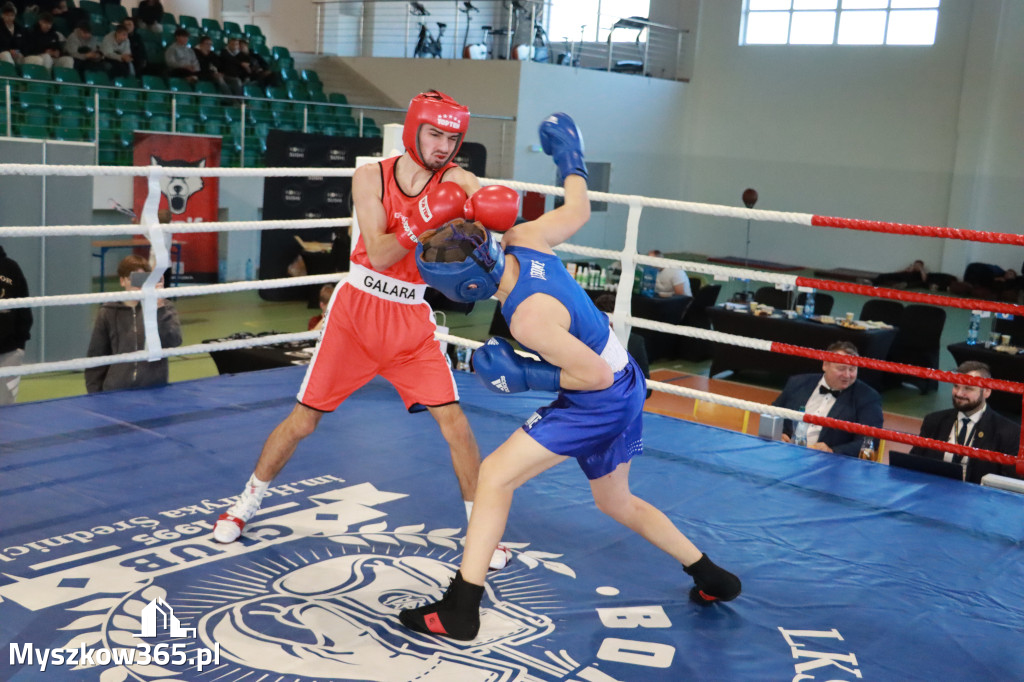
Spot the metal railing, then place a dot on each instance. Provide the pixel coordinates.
(109, 116)
(494, 29)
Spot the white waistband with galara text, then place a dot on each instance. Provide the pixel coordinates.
(614, 354)
(382, 286)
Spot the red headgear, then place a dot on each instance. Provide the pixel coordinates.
(436, 109)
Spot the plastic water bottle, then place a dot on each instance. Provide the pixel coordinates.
(800, 431)
(809, 304)
(248, 270)
(463, 354)
(972, 328)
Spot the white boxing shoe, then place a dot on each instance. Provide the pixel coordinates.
(230, 524)
(500, 558)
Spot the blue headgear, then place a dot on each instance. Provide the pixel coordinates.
(463, 263)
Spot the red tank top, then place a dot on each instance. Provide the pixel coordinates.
(397, 203)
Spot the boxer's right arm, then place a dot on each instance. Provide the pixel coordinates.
(382, 248)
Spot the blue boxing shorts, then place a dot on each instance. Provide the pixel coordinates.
(601, 429)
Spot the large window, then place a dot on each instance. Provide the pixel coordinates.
(839, 22)
(575, 19)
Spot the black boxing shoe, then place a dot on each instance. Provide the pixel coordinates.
(457, 615)
(711, 583)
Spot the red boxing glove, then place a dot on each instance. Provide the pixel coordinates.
(434, 209)
(496, 206)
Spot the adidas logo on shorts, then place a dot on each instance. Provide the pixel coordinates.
(500, 384)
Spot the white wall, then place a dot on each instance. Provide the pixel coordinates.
(860, 132)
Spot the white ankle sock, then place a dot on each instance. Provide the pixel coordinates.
(256, 487)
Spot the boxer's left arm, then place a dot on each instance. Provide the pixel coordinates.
(542, 324)
(463, 178)
(382, 248)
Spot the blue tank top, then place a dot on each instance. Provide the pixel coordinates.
(543, 273)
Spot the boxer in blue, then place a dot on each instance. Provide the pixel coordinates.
(597, 416)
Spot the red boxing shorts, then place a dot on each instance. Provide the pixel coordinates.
(377, 325)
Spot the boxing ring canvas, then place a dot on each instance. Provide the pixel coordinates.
(851, 570)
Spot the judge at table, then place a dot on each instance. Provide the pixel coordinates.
(836, 393)
(971, 422)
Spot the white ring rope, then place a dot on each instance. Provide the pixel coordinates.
(171, 171)
(716, 210)
(146, 356)
(173, 292)
(161, 243)
(177, 227)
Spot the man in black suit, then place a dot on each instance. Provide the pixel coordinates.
(971, 422)
(836, 393)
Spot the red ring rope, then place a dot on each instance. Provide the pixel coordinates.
(898, 368)
(897, 294)
(919, 230)
(899, 436)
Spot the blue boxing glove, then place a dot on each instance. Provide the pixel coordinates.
(562, 141)
(503, 371)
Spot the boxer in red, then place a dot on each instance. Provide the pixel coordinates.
(377, 323)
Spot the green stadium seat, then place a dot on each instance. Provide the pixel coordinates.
(70, 127)
(280, 52)
(310, 76)
(100, 25)
(159, 123)
(33, 131)
(168, 20)
(35, 72)
(285, 64)
(115, 13)
(29, 18)
(276, 92)
(206, 88)
(179, 85)
(8, 70)
(252, 30)
(187, 21)
(62, 74)
(150, 82)
(186, 124)
(232, 28)
(168, 30)
(210, 25)
(97, 78)
(319, 97)
(70, 103)
(297, 90)
(337, 98)
(89, 6)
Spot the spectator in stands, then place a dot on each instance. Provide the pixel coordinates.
(971, 422)
(12, 35)
(150, 14)
(209, 68)
(670, 281)
(117, 52)
(914, 275)
(15, 324)
(44, 45)
(119, 329)
(181, 59)
(837, 393)
(140, 60)
(257, 66)
(84, 49)
(231, 63)
(316, 323)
